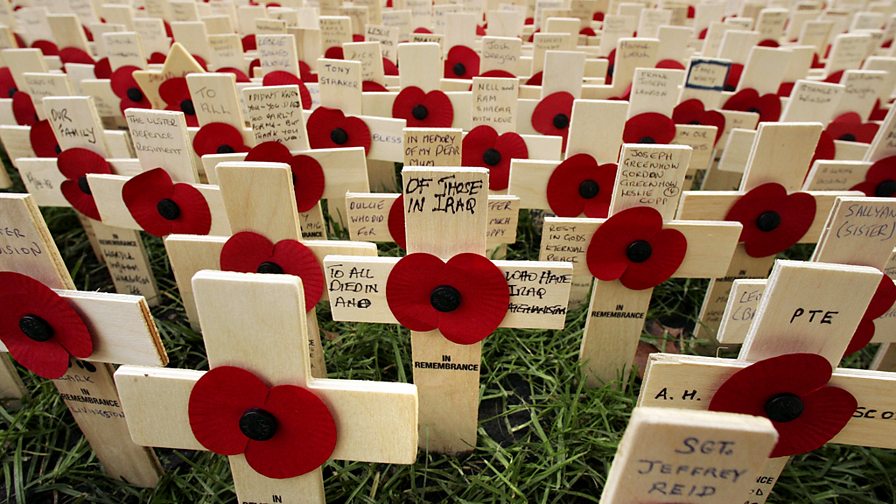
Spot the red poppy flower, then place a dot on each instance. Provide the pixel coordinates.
(218, 138)
(157, 58)
(773, 220)
(466, 298)
(611, 66)
(500, 74)
(396, 222)
(284, 78)
(880, 180)
(816, 61)
(534, 80)
(532, 35)
(389, 68)
(23, 109)
(283, 431)
(40, 329)
(835, 77)
(176, 94)
(307, 175)
(551, 115)
(201, 61)
(849, 127)
(305, 72)
(8, 85)
(102, 69)
(484, 147)
(421, 29)
(249, 42)
(249, 252)
(334, 52)
(461, 63)
(880, 303)
(329, 128)
(75, 164)
(240, 75)
(162, 207)
(43, 140)
(480, 29)
(768, 106)
(702, 34)
(692, 112)
(733, 77)
(579, 185)
(633, 247)
(46, 47)
(598, 16)
(825, 148)
(369, 86)
(588, 32)
(691, 12)
(785, 89)
(790, 390)
(126, 88)
(75, 55)
(768, 43)
(423, 110)
(878, 113)
(669, 63)
(650, 128)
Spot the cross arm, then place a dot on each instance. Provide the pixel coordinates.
(373, 419)
(685, 381)
(529, 180)
(538, 298)
(107, 194)
(121, 327)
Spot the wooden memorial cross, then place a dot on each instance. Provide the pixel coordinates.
(166, 89)
(379, 217)
(449, 295)
(635, 249)
(261, 208)
(100, 329)
(774, 215)
(678, 455)
(63, 181)
(857, 232)
(805, 321)
(259, 403)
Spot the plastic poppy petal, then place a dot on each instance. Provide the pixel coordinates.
(562, 190)
(389, 68)
(396, 222)
(297, 259)
(309, 181)
(324, 121)
(669, 248)
(269, 152)
(484, 299)
(217, 402)
(46, 47)
(409, 287)
(475, 143)
(75, 55)
(688, 112)
(142, 193)
(283, 78)
(826, 412)
(769, 107)
(195, 215)
(795, 211)
(649, 127)
(218, 138)
(79, 200)
(23, 109)
(439, 111)
(544, 116)
(606, 256)
(174, 90)
(511, 146)
(245, 251)
(77, 162)
(43, 140)
(305, 437)
(881, 302)
(461, 63)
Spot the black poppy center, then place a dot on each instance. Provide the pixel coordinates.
(561, 121)
(444, 298)
(83, 185)
(847, 137)
(270, 267)
(225, 149)
(258, 424)
(754, 110)
(638, 251)
(647, 140)
(885, 189)
(491, 157)
(459, 69)
(729, 87)
(768, 221)
(695, 122)
(187, 107)
(12, 91)
(168, 209)
(589, 189)
(35, 328)
(58, 149)
(420, 112)
(784, 407)
(134, 94)
(339, 136)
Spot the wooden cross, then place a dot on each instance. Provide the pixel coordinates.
(808, 308)
(857, 232)
(120, 327)
(79, 130)
(258, 197)
(446, 217)
(650, 178)
(780, 155)
(257, 323)
(677, 455)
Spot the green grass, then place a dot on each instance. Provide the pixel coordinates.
(543, 437)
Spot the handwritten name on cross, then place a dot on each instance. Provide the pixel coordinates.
(446, 217)
(257, 323)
